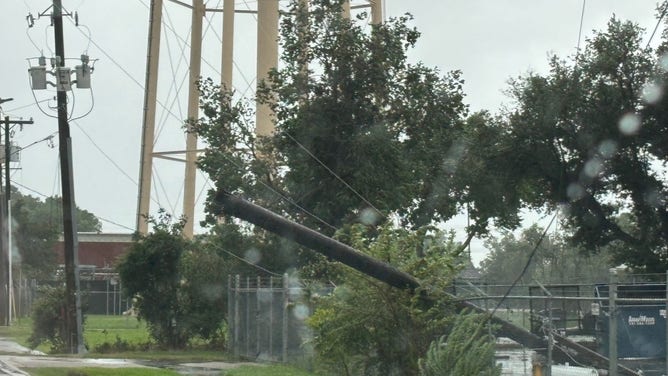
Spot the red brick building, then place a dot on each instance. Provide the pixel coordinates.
(98, 249)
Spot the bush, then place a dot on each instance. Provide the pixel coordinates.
(48, 321)
(467, 350)
(369, 328)
(177, 285)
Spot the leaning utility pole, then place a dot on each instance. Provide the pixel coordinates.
(73, 319)
(8, 214)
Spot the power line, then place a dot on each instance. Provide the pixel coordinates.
(105, 154)
(332, 173)
(284, 197)
(96, 216)
(658, 22)
(526, 265)
(577, 51)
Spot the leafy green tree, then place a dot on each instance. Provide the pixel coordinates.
(36, 226)
(150, 273)
(468, 349)
(359, 112)
(368, 328)
(588, 137)
(555, 260)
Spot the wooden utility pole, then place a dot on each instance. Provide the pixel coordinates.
(73, 320)
(8, 215)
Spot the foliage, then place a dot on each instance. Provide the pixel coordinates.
(267, 370)
(35, 230)
(366, 327)
(48, 319)
(590, 138)
(466, 350)
(361, 113)
(179, 286)
(554, 262)
(203, 291)
(150, 273)
(99, 371)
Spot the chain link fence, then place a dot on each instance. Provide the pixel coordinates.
(266, 318)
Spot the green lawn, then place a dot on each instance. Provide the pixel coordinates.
(275, 370)
(111, 329)
(100, 329)
(97, 330)
(99, 372)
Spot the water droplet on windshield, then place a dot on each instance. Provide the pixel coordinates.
(253, 256)
(629, 124)
(369, 217)
(575, 191)
(607, 149)
(593, 167)
(651, 92)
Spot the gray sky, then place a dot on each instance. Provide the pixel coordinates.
(490, 41)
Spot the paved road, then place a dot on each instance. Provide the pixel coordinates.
(16, 357)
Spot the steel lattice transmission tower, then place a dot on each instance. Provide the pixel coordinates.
(267, 59)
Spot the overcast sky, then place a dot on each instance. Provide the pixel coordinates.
(490, 41)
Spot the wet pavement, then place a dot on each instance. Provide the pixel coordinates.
(14, 357)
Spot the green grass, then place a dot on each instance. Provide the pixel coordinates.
(100, 328)
(274, 370)
(19, 331)
(88, 371)
(97, 330)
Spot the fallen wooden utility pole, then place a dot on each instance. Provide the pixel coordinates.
(303, 235)
(337, 251)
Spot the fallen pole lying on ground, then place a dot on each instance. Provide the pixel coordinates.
(337, 251)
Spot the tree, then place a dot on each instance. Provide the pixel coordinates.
(589, 138)
(554, 262)
(36, 226)
(361, 129)
(150, 274)
(369, 328)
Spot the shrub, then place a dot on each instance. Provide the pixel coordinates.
(467, 350)
(369, 328)
(48, 319)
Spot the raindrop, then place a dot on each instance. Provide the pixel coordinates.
(654, 198)
(607, 149)
(593, 167)
(663, 62)
(369, 217)
(301, 312)
(253, 256)
(575, 191)
(629, 124)
(651, 92)
(211, 291)
(455, 154)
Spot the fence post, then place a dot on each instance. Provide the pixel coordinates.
(237, 282)
(286, 301)
(612, 325)
(666, 321)
(230, 304)
(247, 301)
(257, 317)
(271, 317)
